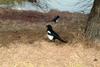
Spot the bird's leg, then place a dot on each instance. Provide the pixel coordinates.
(53, 40)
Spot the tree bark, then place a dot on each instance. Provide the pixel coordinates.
(32, 1)
(93, 25)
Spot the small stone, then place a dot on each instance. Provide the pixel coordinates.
(95, 59)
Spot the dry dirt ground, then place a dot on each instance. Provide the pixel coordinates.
(24, 43)
(46, 54)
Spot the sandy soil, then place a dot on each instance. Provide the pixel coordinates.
(48, 54)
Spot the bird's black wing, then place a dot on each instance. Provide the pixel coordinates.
(57, 37)
(55, 34)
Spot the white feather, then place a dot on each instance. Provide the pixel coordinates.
(50, 37)
(57, 20)
(49, 32)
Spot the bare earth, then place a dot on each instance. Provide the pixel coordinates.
(23, 41)
(46, 54)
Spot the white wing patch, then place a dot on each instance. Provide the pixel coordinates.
(50, 37)
(57, 20)
(49, 32)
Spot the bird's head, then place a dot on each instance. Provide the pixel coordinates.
(49, 26)
(58, 16)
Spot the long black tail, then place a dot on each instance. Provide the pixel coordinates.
(62, 40)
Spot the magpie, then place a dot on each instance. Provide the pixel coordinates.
(52, 35)
(56, 18)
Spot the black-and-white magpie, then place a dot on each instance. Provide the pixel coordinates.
(55, 19)
(52, 35)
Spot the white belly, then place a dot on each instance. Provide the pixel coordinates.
(50, 37)
(57, 20)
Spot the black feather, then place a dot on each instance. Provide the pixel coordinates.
(53, 33)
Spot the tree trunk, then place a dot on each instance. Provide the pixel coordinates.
(32, 1)
(93, 25)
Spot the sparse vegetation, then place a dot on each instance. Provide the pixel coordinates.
(11, 1)
(70, 27)
(23, 43)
